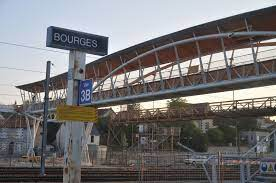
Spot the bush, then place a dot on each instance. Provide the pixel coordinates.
(215, 136)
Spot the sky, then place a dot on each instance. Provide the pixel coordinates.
(125, 22)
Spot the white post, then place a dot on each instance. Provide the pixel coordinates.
(274, 145)
(74, 130)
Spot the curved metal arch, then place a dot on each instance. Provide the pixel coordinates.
(182, 60)
(185, 41)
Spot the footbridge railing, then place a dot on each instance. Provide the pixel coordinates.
(237, 108)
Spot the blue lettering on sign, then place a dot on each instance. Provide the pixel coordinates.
(85, 92)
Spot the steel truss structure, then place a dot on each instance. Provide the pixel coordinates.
(227, 109)
(154, 118)
(232, 53)
(243, 75)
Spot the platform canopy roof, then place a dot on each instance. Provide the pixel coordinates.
(258, 20)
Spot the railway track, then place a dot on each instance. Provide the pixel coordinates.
(107, 174)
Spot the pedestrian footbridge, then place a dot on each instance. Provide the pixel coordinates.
(233, 53)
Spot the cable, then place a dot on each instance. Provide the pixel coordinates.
(25, 70)
(38, 48)
(20, 69)
(6, 85)
(11, 95)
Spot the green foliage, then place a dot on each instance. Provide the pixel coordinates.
(243, 123)
(133, 107)
(247, 123)
(229, 134)
(130, 132)
(102, 124)
(215, 136)
(192, 137)
(228, 127)
(177, 102)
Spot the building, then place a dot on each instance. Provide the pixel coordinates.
(254, 137)
(265, 123)
(14, 139)
(94, 137)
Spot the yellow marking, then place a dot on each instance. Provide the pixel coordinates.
(77, 113)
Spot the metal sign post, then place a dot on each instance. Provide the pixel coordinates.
(78, 43)
(45, 116)
(74, 130)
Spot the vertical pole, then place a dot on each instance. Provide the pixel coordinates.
(248, 173)
(237, 137)
(74, 130)
(242, 177)
(132, 140)
(239, 143)
(219, 171)
(45, 114)
(214, 173)
(274, 145)
(172, 133)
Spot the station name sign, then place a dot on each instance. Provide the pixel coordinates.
(75, 40)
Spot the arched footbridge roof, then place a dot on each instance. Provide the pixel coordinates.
(239, 31)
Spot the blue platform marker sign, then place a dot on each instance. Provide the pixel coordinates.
(263, 167)
(85, 92)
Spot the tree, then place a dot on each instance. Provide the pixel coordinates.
(239, 124)
(247, 123)
(192, 137)
(102, 124)
(200, 142)
(229, 134)
(131, 130)
(177, 102)
(215, 136)
(243, 123)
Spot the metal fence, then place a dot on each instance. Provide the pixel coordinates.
(163, 166)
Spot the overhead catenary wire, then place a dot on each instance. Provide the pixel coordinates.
(6, 84)
(20, 69)
(25, 70)
(39, 48)
(11, 95)
(36, 48)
